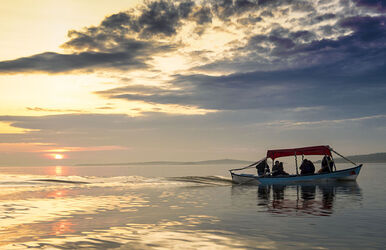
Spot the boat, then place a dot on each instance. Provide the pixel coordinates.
(349, 174)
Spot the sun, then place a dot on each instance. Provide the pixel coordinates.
(58, 156)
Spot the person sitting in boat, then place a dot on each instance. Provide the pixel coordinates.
(275, 168)
(307, 167)
(262, 168)
(327, 165)
(281, 169)
(278, 169)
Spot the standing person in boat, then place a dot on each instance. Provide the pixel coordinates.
(307, 167)
(327, 165)
(262, 168)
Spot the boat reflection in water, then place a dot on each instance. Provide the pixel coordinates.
(304, 199)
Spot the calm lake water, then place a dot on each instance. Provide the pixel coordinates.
(190, 207)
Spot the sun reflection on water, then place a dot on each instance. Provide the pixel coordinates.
(58, 193)
(62, 227)
(56, 170)
(59, 170)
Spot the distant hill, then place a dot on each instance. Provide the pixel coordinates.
(209, 162)
(369, 158)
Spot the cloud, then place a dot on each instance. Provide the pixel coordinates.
(178, 137)
(38, 109)
(265, 90)
(123, 41)
(379, 5)
(226, 8)
(128, 40)
(161, 18)
(288, 124)
(202, 15)
(134, 56)
(115, 44)
(155, 18)
(350, 70)
(152, 21)
(356, 42)
(269, 66)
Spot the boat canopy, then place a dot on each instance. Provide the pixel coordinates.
(315, 150)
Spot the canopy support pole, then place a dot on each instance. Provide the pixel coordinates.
(296, 164)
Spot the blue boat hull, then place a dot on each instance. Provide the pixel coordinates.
(349, 174)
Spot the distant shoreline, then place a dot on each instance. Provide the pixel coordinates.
(209, 162)
(368, 158)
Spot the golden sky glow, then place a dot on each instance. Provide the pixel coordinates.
(6, 128)
(127, 76)
(41, 94)
(45, 23)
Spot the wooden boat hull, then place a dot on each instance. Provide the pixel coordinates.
(349, 174)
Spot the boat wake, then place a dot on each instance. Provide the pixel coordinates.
(137, 181)
(207, 180)
(61, 181)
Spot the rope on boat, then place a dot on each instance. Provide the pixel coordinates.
(249, 166)
(343, 157)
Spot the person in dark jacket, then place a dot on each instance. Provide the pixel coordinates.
(281, 169)
(278, 169)
(307, 167)
(327, 165)
(262, 168)
(275, 168)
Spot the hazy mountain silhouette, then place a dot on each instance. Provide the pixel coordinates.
(209, 162)
(368, 158)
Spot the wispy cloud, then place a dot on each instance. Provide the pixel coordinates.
(39, 109)
(133, 57)
(288, 124)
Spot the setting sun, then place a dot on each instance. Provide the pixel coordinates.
(58, 156)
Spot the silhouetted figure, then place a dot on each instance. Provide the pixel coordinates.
(307, 167)
(275, 168)
(262, 168)
(278, 169)
(327, 165)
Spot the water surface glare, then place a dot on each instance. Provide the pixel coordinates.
(191, 207)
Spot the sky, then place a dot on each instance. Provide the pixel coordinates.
(95, 81)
